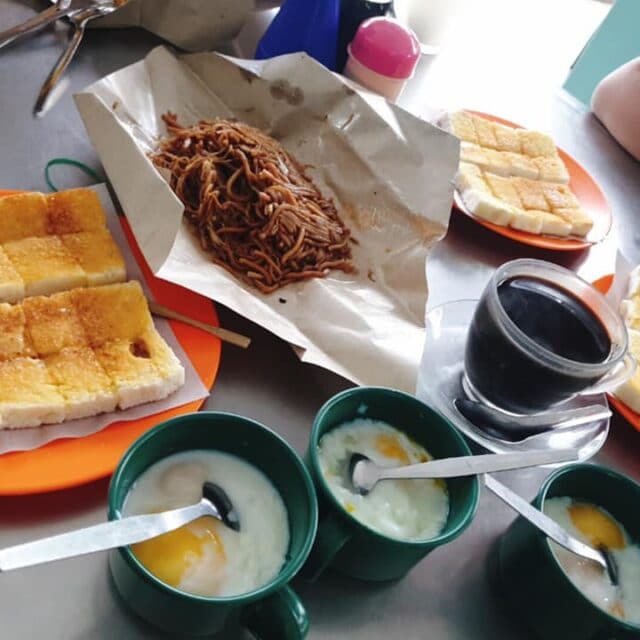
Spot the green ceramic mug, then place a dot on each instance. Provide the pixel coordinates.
(529, 580)
(351, 547)
(272, 612)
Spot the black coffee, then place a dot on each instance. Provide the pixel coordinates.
(553, 318)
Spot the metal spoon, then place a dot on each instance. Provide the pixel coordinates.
(365, 474)
(552, 529)
(120, 533)
(515, 427)
(61, 9)
(79, 22)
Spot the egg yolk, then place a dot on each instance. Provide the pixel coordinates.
(170, 555)
(600, 529)
(389, 446)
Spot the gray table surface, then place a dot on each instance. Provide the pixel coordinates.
(447, 595)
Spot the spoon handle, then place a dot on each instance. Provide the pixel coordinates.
(474, 465)
(543, 522)
(117, 533)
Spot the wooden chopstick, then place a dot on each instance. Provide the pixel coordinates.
(224, 334)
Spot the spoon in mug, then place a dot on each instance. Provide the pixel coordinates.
(601, 556)
(120, 533)
(364, 474)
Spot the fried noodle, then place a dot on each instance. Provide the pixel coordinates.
(254, 209)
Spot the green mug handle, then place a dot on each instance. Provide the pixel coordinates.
(281, 616)
(331, 537)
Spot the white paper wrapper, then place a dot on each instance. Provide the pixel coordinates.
(389, 173)
(193, 25)
(193, 389)
(620, 286)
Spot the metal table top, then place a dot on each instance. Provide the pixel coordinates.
(447, 595)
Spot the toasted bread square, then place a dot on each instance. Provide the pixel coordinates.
(473, 154)
(470, 176)
(83, 383)
(629, 392)
(11, 284)
(484, 133)
(581, 222)
(45, 265)
(551, 169)
(531, 194)
(630, 311)
(488, 207)
(22, 215)
(553, 225)
(112, 312)
(164, 359)
(536, 144)
(28, 396)
(498, 163)
(98, 255)
(504, 189)
(460, 124)
(14, 337)
(526, 220)
(521, 166)
(507, 138)
(559, 196)
(53, 323)
(74, 211)
(136, 379)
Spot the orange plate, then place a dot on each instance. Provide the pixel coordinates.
(587, 191)
(603, 284)
(74, 461)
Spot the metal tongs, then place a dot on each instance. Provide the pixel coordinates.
(80, 12)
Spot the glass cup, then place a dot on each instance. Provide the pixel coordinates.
(508, 369)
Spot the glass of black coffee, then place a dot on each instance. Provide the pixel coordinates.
(541, 335)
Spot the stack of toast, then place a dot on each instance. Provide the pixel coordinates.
(55, 243)
(629, 392)
(515, 177)
(82, 351)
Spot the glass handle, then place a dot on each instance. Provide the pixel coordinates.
(612, 380)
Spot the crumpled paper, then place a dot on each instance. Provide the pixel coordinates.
(192, 25)
(389, 172)
(193, 388)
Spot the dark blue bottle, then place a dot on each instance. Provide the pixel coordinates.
(352, 14)
(303, 25)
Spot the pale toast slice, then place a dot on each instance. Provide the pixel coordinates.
(526, 220)
(54, 323)
(98, 255)
(112, 312)
(507, 138)
(488, 207)
(164, 359)
(531, 193)
(45, 265)
(79, 377)
(470, 176)
(504, 189)
(460, 124)
(15, 339)
(536, 144)
(551, 169)
(28, 395)
(629, 392)
(132, 371)
(74, 211)
(11, 284)
(581, 222)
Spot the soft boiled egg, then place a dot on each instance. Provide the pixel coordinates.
(205, 557)
(598, 528)
(405, 509)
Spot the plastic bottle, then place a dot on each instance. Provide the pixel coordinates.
(303, 25)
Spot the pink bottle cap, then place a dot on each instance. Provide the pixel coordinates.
(386, 47)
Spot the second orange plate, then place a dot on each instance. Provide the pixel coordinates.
(587, 191)
(74, 461)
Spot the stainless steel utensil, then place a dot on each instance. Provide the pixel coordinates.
(551, 528)
(79, 21)
(119, 533)
(365, 473)
(514, 428)
(59, 10)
